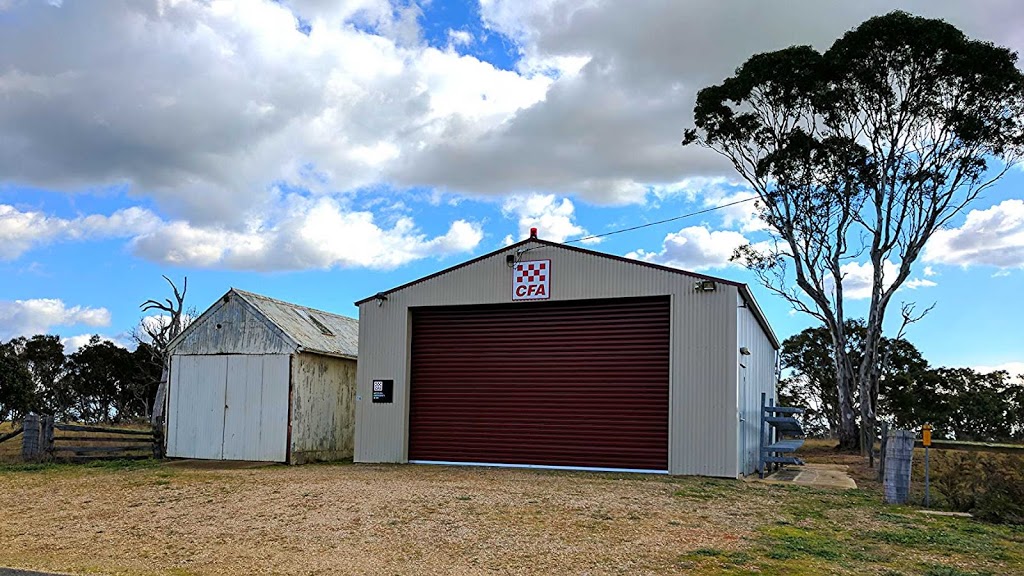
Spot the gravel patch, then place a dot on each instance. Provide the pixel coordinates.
(360, 519)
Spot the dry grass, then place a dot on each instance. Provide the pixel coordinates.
(148, 518)
(10, 451)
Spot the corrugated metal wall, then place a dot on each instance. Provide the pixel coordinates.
(323, 408)
(703, 395)
(757, 375)
(195, 421)
(233, 328)
(230, 407)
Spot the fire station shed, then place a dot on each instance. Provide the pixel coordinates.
(542, 354)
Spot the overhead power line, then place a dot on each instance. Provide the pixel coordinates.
(674, 218)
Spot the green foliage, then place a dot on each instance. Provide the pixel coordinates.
(101, 382)
(990, 486)
(960, 403)
(17, 394)
(809, 355)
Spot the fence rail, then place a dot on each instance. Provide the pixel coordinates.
(973, 446)
(80, 442)
(10, 435)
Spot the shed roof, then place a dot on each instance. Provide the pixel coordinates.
(743, 289)
(312, 330)
(307, 329)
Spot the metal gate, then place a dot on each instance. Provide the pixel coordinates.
(578, 384)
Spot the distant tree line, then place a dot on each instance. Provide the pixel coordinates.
(961, 403)
(100, 382)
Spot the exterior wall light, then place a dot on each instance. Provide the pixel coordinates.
(705, 286)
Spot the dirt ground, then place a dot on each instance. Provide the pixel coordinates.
(149, 518)
(354, 519)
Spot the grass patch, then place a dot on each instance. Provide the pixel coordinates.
(706, 489)
(110, 465)
(944, 570)
(786, 542)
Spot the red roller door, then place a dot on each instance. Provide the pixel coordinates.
(582, 383)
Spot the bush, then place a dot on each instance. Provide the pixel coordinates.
(988, 485)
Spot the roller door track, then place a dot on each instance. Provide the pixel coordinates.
(579, 384)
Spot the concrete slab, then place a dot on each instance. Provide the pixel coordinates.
(946, 513)
(217, 464)
(815, 476)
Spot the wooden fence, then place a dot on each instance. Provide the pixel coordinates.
(80, 443)
(974, 446)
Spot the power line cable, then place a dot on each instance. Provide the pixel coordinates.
(674, 218)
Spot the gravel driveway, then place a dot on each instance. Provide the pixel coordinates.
(358, 519)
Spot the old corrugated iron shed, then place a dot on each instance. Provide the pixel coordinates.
(254, 378)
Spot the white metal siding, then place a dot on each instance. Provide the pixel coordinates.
(229, 407)
(703, 394)
(233, 327)
(196, 423)
(323, 408)
(758, 369)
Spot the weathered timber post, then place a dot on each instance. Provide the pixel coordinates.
(881, 451)
(898, 458)
(31, 438)
(158, 442)
(46, 435)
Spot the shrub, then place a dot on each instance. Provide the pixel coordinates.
(988, 485)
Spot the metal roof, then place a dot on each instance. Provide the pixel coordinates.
(743, 289)
(311, 330)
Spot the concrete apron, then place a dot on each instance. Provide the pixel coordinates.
(814, 476)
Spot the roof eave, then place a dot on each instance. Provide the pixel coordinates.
(304, 350)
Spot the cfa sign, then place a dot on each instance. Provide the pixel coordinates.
(531, 280)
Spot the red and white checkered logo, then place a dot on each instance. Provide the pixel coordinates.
(531, 280)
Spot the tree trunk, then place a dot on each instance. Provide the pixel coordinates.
(849, 438)
(158, 403)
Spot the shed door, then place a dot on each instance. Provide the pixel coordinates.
(229, 407)
(582, 383)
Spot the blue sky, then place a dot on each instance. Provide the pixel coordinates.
(320, 152)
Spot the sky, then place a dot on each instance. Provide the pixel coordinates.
(320, 151)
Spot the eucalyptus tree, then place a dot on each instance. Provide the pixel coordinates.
(858, 155)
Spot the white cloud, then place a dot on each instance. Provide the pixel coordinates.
(73, 343)
(929, 271)
(553, 218)
(915, 283)
(319, 233)
(22, 230)
(1014, 369)
(459, 37)
(204, 105)
(299, 234)
(991, 237)
(695, 248)
(858, 278)
(740, 206)
(40, 315)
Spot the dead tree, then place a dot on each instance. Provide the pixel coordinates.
(160, 334)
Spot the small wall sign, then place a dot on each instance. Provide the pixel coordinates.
(531, 280)
(383, 391)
